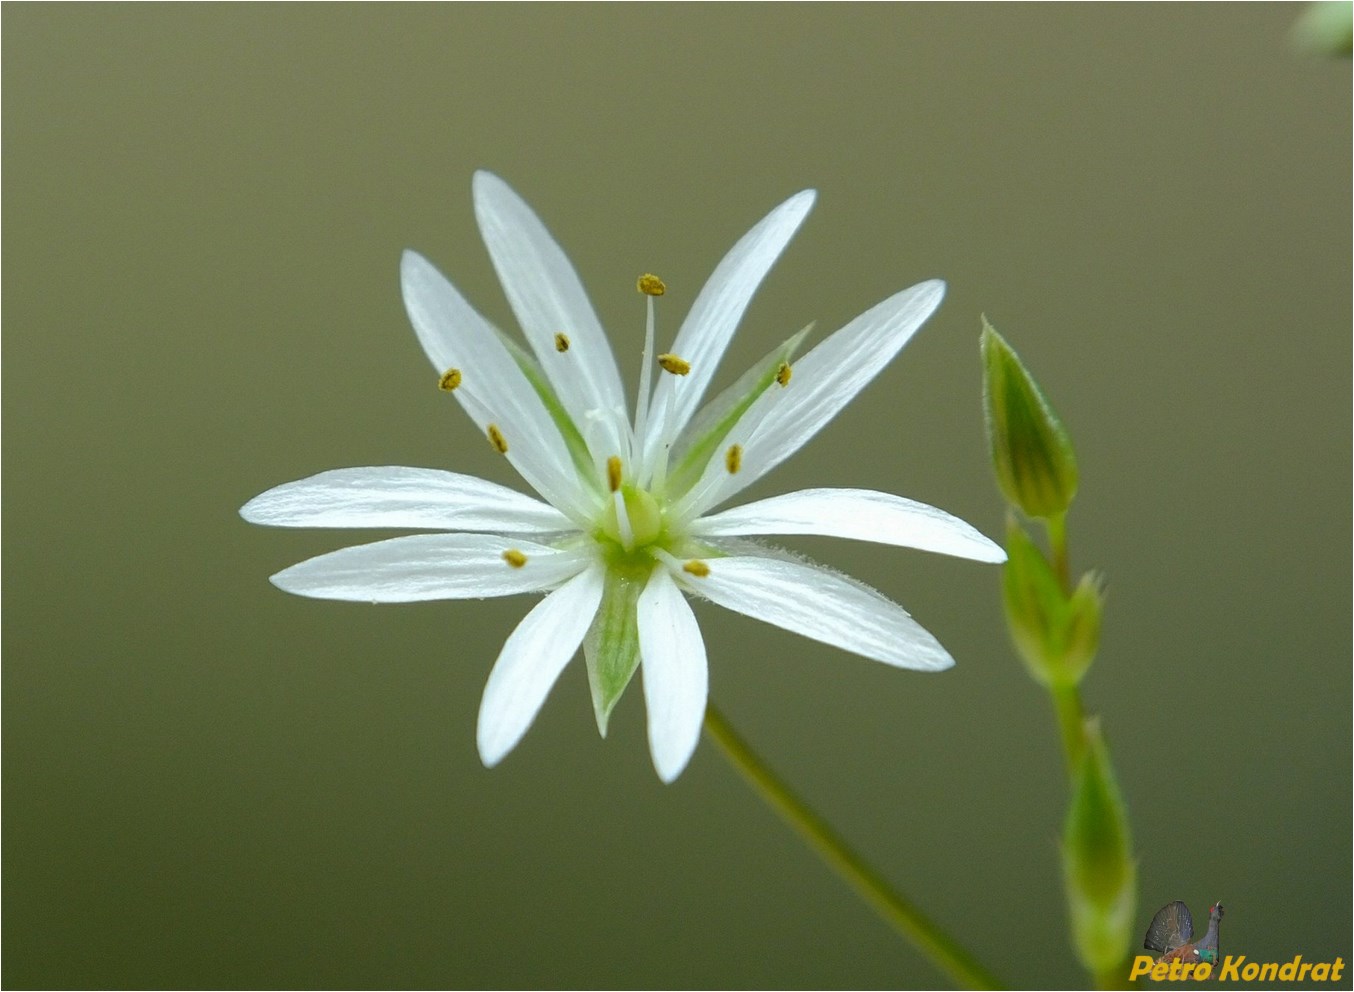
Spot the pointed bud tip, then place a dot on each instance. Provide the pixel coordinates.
(1031, 452)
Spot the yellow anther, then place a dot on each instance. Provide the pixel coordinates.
(613, 472)
(451, 378)
(514, 558)
(673, 364)
(696, 567)
(733, 458)
(783, 374)
(561, 342)
(650, 285)
(497, 440)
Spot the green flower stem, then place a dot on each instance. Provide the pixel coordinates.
(1057, 542)
(896, 910)
(1071, 720)
(1067, 698)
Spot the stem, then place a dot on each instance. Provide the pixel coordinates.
(896, 910)
(1066, 699)
(1071, 719)
(1057, 542)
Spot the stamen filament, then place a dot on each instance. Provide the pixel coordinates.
(645, 369)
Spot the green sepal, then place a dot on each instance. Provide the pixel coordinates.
(573, 440)
(1098, 867)
(712, 424)
(1055, 634)
(1081, 625)
(611, 647)
(1031, 452)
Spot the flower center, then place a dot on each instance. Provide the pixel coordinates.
(633, 518)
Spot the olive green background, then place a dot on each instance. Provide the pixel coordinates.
(210, 783)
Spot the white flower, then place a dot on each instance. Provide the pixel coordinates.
(626, 529)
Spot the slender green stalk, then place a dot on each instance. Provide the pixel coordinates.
(1057, 542)
(1071, 723)
(896, 910)
(1067, 698)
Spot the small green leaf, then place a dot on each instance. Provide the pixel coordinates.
(611, 647)
(1098, 866)
(1031, 452)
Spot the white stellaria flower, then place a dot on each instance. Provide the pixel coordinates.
(625, 531)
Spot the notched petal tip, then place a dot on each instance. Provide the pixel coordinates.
(670, 770)
(931, 292)
(492, 751)
(410, 261)
(483, 179)
(995, 553)
(249, 512)
(804, 199)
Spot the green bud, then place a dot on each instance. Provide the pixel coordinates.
(1098, 866)
(1036, 467)
(1055, 634)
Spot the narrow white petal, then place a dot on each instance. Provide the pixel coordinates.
(493, 388)
(858, 514)
(395, 496)
(823, 605)
(714, 316)
(548, 298)
(780, 421)
(676, 677)
(531, 661)
(431, 566)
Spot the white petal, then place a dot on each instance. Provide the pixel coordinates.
(858, 514)
(493, 388)
(395, 496)
(676, 677)
(548, 298)
(431, 566)
(823, 605)
(715, 315)
(531, 661)
(781, 420)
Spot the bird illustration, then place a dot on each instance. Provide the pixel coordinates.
(1172, 929)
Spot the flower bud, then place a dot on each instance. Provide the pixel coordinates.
(1055, 634)
(1098, 866)
(1031, 452)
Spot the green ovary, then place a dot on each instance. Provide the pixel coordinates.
(646, 528)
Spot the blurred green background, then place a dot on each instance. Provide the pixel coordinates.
(210, 783)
